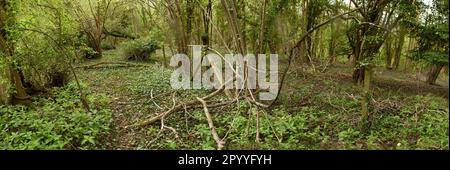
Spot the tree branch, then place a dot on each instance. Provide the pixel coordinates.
(219, 141)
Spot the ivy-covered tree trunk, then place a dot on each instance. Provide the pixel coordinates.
(4, 96)
(10, 74)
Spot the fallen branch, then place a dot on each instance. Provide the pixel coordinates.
(273, 129)
(179, 107)
(219, 141)
(118, 34)
(252, 101)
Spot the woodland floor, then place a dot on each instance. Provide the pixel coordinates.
(139, 92)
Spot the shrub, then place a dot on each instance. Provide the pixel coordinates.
(139, 50)
(42, 67)
(107, 46)
(89, 52)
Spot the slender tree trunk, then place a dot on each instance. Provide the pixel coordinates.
(177, 25)
(164, 55)
(332, 43)
(182, 44)
(407, 63)
(316, 45)
(310, 44)
(207, 24)
(238, 38)
(243, 24)
(261, 41)
(304, 50)
(398, 49)
(365, 100)
(358, 73)
(190, 16)
(388, 50)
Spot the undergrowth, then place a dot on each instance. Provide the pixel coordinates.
(56, 122)
(320, 116)
(314, 112)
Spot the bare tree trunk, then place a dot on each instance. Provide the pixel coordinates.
(238, 36)
(230, 8)
(261, 46)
